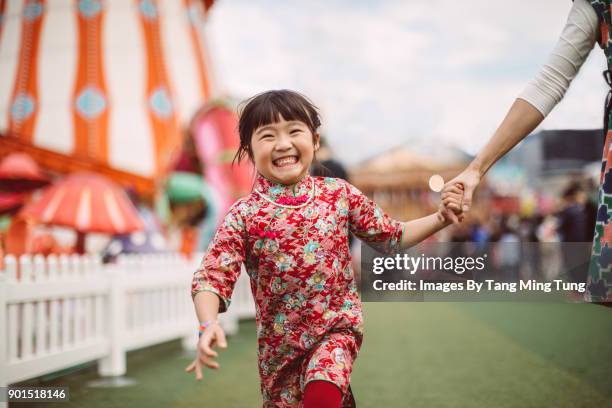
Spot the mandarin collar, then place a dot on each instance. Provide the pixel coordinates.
(276, 190)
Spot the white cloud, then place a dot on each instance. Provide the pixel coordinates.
(385, 73)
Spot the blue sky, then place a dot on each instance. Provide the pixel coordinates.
(386, 73)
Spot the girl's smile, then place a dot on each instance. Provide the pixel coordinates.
(286, 161)
(283, 151)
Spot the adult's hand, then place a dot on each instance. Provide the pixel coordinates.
(469, 179)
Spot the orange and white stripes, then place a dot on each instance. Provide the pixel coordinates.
(90, 101)
(159, 94)
(103, 79)
(195, 14)
(24, 101)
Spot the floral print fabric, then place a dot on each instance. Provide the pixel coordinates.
(308, 312)
(600, 274)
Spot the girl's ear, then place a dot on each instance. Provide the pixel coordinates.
(316, 139)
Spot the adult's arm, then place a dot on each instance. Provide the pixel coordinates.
(539, 97)
(572, 49)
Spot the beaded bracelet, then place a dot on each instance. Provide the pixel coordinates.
(206, 325)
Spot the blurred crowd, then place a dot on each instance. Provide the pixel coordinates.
(549, 244)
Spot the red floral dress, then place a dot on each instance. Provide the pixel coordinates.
(293, 241)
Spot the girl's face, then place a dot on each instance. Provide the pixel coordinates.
(283, 151)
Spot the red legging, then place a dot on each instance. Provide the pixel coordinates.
(322, 394)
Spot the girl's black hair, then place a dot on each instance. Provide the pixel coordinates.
(268, 107)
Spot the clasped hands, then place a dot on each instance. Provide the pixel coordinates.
(456, 196)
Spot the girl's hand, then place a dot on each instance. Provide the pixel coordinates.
(212, 337)
(451, 206)
(447, 216)
(468, 179)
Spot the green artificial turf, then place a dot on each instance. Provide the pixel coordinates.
(485, 355)
(414, 355)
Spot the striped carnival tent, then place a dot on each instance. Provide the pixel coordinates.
(102, 85)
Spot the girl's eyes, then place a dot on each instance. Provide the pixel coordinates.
(269, 136)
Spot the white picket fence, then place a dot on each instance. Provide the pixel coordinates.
(65, 311)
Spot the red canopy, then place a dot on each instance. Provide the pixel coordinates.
(86, 202)
(19, 172)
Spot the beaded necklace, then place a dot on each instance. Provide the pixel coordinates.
(305, 203)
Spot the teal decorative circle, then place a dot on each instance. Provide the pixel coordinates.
(23, 106)
(32, 10)
(90, 102)
(192, 13)
(160, 102)
(89, 8)
(148, 9)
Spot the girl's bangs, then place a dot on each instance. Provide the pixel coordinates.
(275, 109)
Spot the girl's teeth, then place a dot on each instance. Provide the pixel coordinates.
(288, 160)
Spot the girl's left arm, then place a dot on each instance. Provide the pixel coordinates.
(370, 224)
(421, 228)
(417, 230)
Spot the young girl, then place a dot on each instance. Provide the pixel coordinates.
(292, 233)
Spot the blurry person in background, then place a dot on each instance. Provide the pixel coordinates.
(572, 228)
(326, 165)
(572, 217)
(480, 234)
(188, 217)
(509, 250)
(550, 253)
(530, 259)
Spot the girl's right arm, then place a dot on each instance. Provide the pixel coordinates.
(213, 284)
(207, 307)
(370, 224)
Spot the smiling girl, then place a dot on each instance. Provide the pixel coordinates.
(292, 233)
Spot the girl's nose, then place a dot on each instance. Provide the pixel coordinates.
(283, 142)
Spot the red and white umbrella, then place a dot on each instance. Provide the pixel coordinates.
(86, 202)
